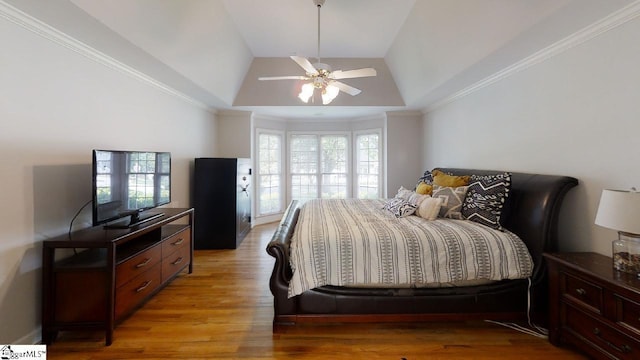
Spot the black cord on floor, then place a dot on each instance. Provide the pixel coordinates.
(533, 329)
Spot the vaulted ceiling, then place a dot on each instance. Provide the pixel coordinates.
(213, 51)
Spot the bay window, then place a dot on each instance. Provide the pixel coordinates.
(327, 165)
(318, 166)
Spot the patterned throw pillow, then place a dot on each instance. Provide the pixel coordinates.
(485, 199)
(452, 199)
(426, 178)
(400, 207)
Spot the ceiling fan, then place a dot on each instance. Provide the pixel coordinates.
(320, 75)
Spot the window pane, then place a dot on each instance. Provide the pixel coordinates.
(269, 190)
(334, 166)
(304, 187)
(368, 165)
(368, 186)
(334, 154)
(334, 186)
(304, 154)
(270, 198)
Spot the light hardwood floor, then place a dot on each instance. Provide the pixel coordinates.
(224, 311)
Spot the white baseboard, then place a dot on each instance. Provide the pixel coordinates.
(32, 338)
(267, 219)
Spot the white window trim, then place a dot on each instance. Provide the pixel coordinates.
(354, 150)
(283, 172)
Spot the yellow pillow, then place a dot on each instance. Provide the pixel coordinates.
(424, 188)
(442, 179)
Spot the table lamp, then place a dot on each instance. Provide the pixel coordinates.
(620, 210)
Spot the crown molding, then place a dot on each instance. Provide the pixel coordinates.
(404, 113)
(50, 33)
(234, 113)
(607, 23)
(258, 116)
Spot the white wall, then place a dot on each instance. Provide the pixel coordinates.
(576, 114)
(404, 150)
(55, 106)
(234, 134)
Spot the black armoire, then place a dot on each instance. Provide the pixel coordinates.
(222, 202)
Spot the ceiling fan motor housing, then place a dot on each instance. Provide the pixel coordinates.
(323, 69)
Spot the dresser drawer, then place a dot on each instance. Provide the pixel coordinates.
(601, 336)
(135, 291)
(627, 313)
(583, 292)
(178, 241)
(175, 262)
(137, 264)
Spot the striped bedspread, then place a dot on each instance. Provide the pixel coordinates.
(352, 242)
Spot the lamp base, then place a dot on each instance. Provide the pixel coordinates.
(626, 254)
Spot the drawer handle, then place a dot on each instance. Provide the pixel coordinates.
(178, 261)
(581, 291)
(144, 286)
(180, 241)
(625, 349)
(144, 263)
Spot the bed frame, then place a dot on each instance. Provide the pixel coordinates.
(531, 212)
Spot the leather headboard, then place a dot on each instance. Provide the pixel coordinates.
(532, 209)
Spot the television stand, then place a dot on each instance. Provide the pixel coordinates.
(134, 220)
(112, 271)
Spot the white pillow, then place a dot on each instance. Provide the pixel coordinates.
(429, 208)
(410, 196)
(403, 193)
(416, 198)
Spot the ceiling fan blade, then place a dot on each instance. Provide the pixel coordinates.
(346, 88)
(364, 72)
(294, 77)
(305, 64)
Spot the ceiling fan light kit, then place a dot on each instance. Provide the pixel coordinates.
(320, 75)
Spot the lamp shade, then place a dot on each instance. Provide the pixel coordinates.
(619, 210)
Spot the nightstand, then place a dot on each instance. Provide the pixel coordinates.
(593, 307)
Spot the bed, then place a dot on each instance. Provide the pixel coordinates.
(530, 212)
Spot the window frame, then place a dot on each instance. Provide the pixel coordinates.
(319, 173)
(283, 166)
(356, 160)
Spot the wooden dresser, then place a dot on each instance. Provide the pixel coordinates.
(94, 278)
(593, 307)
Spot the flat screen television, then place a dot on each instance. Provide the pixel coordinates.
(126, 183)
